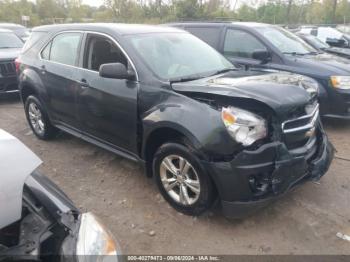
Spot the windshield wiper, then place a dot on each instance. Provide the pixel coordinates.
(300, 54)
(185, 79)
(223, 71)
(294, 53)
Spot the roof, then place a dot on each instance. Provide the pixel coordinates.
(122, 29)
(5, 30)
(247, 24)
(10, 25)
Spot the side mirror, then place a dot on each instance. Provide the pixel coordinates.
(262, 55)
(115, 71)
(335, 42)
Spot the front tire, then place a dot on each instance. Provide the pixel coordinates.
(38, 119)
(182, 180)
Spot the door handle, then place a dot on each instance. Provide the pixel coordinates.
(83, 83)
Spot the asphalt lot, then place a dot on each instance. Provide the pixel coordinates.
(304, 221)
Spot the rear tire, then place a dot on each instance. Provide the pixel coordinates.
(38, 120)
(182, 180)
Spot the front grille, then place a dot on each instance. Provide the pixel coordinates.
(8, 68)
(299, 131)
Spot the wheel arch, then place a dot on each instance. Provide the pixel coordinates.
(163, 133)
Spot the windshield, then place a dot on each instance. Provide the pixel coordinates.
(10, 40)
(314, 41)
(175, 56)
(285, 41)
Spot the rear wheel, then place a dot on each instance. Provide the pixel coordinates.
(182, 180)
(38, 119)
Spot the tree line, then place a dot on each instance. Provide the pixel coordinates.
(291, 12)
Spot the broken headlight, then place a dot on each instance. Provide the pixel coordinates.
(245, 127)
(95, 241)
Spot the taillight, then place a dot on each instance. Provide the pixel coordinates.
(17, 64)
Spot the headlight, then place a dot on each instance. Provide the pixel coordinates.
(94, 241)
(245, 127)
(310, 86)
(341, 82)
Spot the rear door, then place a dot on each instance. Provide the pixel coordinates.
(59, 61)
(209, 34)
(107, 107)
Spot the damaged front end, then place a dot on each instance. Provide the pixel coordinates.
(38, 234)
(38, 222)
(299, 152)
(276, 139)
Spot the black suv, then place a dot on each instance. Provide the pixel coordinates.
(166, 99)
(10, 48)
(324, 47)
(264, 46)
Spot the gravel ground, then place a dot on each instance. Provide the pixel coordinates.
(305, 221)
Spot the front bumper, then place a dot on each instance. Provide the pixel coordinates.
(337, 106)
(8, 84)
(273, 168)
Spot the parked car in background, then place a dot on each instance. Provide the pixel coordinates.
(265, 47)
(329, 35)
(323, 47)
(38, 222)
(344, 28)
(19, 30)
(162, 97)
(10, 47)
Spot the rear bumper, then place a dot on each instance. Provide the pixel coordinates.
(8, 84)
(273, 168)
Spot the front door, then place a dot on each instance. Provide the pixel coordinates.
(239, 47)
(107, 107)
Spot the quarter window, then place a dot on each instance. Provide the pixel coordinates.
(241, 44)
(45, 54)
(63, 49)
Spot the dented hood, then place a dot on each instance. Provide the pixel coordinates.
(280, 91)
(17, 162)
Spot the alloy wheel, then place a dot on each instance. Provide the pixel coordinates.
(36, 118)
(180, 180)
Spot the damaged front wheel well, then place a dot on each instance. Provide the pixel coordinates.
(158, 138)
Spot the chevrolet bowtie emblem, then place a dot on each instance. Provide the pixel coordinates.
(310, 133)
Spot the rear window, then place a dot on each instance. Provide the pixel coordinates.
(33, 39)
(209, 35)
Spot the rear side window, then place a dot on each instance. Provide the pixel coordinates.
(241, 44)
(63, 49)
(207, 34)
(33, 39)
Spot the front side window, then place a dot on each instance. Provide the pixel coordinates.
(314, 41)
(101, 50)
(10, 40)
(178, 55)
(285, 41)
(63, 49)
(241, 44)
